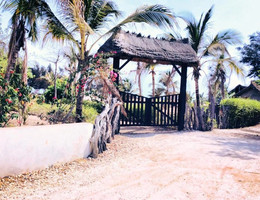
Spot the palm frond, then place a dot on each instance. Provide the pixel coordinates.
(197, 30)
(155, 15)
(55, 29)
(100, 12)
(77, 11)
(221, 41)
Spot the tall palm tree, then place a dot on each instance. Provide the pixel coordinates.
(197, 32)
(83, 18)
(167, 82)
(220, 64)
(151, 68)
(25, 15)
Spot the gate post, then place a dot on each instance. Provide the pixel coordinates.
(182, 99)
(148, 111)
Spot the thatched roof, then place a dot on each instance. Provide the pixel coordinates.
(150, 50)
(253, 86)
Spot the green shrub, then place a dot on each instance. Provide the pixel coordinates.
(61, 89)
(238, 112)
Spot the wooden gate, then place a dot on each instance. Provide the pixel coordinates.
(155, 111)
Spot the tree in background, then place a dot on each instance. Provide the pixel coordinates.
(167, 82)
(203, 45)
(251, 56)
(25, 16)
(84, 18)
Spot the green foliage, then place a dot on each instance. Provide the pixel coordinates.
(8, 100)
(94, 104)
(40, 109)
(89, 112)
(238, 112)
(3, 61)
(250, 55)
(61, 91)
(40, 99)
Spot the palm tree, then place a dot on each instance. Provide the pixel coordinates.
(139, 71)
(220, 65)
(167, 82)
(24, 25)
(83, 18)
(151, 68)
(197, 32)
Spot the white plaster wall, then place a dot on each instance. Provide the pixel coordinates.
(29, 148)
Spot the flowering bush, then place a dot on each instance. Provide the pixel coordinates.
(8, 99)
(97, 70)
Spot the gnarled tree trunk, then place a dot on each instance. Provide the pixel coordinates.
(106, 126)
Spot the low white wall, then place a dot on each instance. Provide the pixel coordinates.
(30, 148)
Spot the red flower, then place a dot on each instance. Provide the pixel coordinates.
(54, 98)
(20, 94)
(12, 71)
(17, 89)
(8, 101)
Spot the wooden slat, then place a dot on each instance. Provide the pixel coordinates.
(162, 111)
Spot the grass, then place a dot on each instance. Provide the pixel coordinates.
(90, 110)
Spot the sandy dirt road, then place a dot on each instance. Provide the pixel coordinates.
(145, 163)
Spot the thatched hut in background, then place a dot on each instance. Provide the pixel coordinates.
(251, 92)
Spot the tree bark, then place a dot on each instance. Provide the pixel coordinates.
(199, 112)
(106, 126)
(79, 104)
(153, 82)
(139, 74)
(25, 62)
(16, 43)
(80, 95)
(211, 107)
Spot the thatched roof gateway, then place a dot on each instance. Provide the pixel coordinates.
(150, 50)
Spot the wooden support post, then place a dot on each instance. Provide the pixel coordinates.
(148, 111)
(116, 64)
(182, 99)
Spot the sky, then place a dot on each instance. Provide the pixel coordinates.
(241, 15)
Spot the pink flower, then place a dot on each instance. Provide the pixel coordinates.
(20, 94)
(54, 98)
(115, 75)
(8, 101)
(17, 89)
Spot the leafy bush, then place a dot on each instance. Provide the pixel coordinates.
(89, 113)
(238, 112)
(8, 100)
(94, 104)
(61, 89)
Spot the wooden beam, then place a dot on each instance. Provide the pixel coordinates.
(182, 100)
(176, 69)
(129, 59)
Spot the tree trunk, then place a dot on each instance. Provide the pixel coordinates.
(55, 80)
(25, 67)
(16, 43)
(199, 113)
(211, 107)
(106, 125)
(153, 83)
(223, 88)
(79, 105)
(139, 74)
(80, 95)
